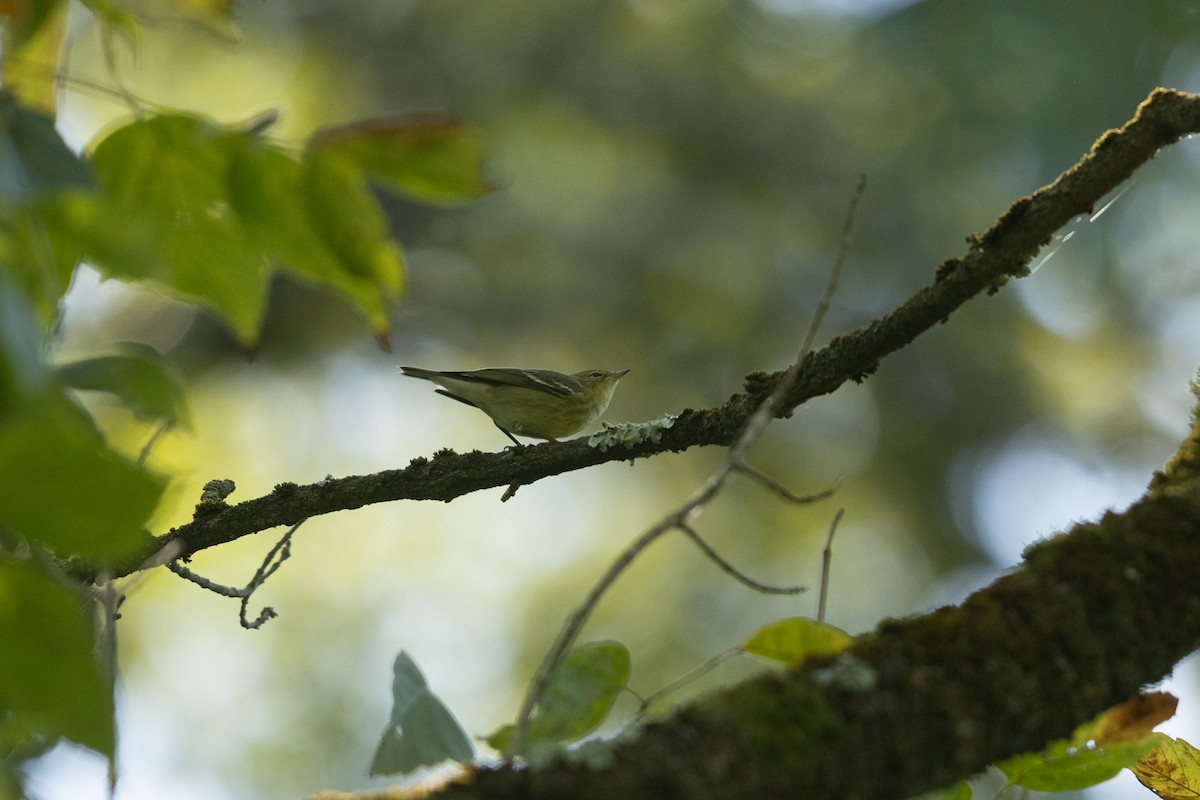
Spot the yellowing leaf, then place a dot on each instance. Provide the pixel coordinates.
(794, 639)
(1097, 750)
(1171, 770)
(1134, 718)
(34, 36)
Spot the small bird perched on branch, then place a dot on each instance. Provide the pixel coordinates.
(538, 403)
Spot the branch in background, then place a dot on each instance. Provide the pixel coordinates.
(1001, 252)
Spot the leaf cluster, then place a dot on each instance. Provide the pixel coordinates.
(199, 209)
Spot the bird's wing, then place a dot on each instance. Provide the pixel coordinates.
(543, 380)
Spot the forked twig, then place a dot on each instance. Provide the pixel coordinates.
(272, 562)
(680, 518)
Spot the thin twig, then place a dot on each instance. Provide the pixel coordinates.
(778, 488)
(692, 674)
(733, 571)
(267, 613)
(574, 625)
(826, 560)
(110, 62)
(158, 432)
(274, 559)
(109, 600)
(203, 582)
(770, 407)
(679, 518)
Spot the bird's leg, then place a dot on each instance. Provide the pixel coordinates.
(510, 436)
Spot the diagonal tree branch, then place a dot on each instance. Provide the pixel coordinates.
(1001, 252)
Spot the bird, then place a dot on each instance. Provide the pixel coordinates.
(535, 403)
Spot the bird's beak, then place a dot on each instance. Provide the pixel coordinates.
(620, 372)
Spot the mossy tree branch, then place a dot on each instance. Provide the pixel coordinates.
(1090, 617)
(1001, 252)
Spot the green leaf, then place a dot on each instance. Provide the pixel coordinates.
(48, 237)
(62, 486)
(226, 207)
(429, 157)
(34, 160)
(579, 696)
(173, 171)
(1097, 750)
(22, 374)
(59, 483)
(1067, 767)
(277, 199)
(114, 19)
(49, 683)
(421, 731)
(349, 220)
(794, 639)
(139, 376)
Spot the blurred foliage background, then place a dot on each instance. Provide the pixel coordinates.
(671, 181)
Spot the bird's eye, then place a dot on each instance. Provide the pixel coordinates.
(597, 374)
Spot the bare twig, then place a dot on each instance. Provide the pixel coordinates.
(778, 488)
(203, 582)
(768, 409)
(681, 516)
(279, 553)
(108, 602)
(826, 560)
(158, 432)
(733, 571)
(692, 674)
(110, 62)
